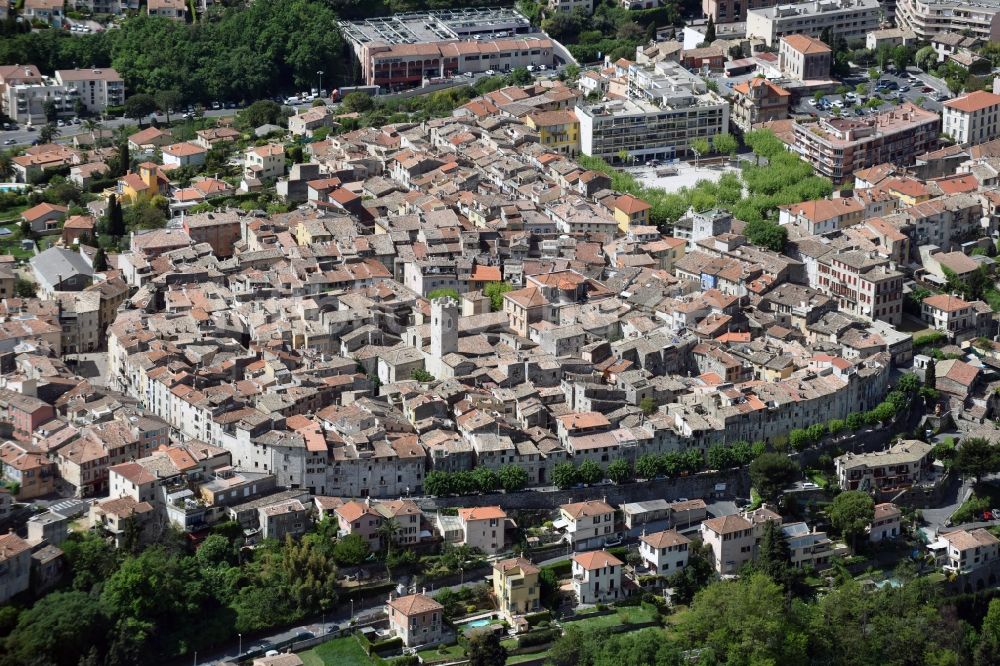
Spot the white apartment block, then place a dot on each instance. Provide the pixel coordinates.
(964, 551)
(667, 108)
(265, 162)
(597, 577)
(849, 19)
(26, 102)
(97, 88)
(570, 5)
(664, 552)
(972, 118)
(927, 18)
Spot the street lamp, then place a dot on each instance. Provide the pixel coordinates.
(320, 72)
(240, 653)
(352, 610)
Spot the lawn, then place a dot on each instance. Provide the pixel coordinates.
(634, 615)
(338, 652)
(452, 652)
(12, 213)
(985, 497)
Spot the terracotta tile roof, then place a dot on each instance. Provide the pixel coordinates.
(727, 524)
(597, 559)
(579, 510)
(42, 209)
(584, 420)
(630, 204)
(525, 565)
(886, 510)
(946, 302)
(665, 539)
(482, 513)
(974, 101)
(415, 604)
(806, 44)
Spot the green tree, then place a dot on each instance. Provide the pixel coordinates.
(619, 471)
(770, 473)
(495, 291)
(145, 214)
(930, 374)
(168, 100)
(487, 481)
(744, 622)
(261, 112)
(700, 147)
(989, 636)
(710, 30)
(48, 133)
(90, 559)
(216, 550)
(851, 513)
(357, 102)
(513, 478)
(437, 483)
(725, 144)
(836, 426)
(647, 466)
(50, 111)
(520, 76)
(115, 218)
(589, 472)
(976, 457)
(58, 629)
(350, 550)
(25, 288)
(648, 406)
(485, 649)
(139, 106)
(855, 421)
(766, 234)
(100, 260)
(799, 439)
(564, 475)
(124, 163)
(926, 58)
(719, 457)
(421, 375)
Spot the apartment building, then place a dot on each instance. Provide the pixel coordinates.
(732, 11)
(483, 528)
(264, 162)
(886, 524)
(569, 5)
(417, 619)
(972, 118)
(26, 102)
(15, 566)
(587, 524)
(864, 284)
(557, 130)
(97, 89)
(927, 18)
(597, 577)
(732, 541)
(807, 547)
(850, 19)
(823, 216)
(667, 108)
(171, 9)
(964, 551)
(837, 147)
(804, 58)
(959, 319)
(664, 552)
(898, 467)
(759, 101)
(516, 587)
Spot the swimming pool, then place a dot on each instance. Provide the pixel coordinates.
(484, 622)
(12, 187)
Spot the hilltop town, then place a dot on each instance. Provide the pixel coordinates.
(521, 345)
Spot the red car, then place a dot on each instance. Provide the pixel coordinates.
(926, 89)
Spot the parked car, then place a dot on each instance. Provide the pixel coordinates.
(9, 142)
(216, 106)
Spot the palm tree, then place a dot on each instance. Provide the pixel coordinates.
(48, 133)
(6, 165)
(388, 531)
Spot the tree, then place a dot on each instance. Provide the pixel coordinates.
(357, 102)
(216, 550)
(835, 426)
(648, 406)
(564, 475)
(145, 214)
(710, 30)
(388, 532)
(771, 473)
(647, 466)
(719, 457)
(261, 112)
(589, 472)
(774, 557)
(902, 57)
(930, 374)
(139, 106)
(50, 111)
(851, 512)
(350, 550)
(700, 147)
(798, 439)
(989, 636)
(421, 375)
(976, 457)
(487, 480)
(725, 144)
(168, 100)
(124, 159)
(766, 234)
(100, 260)
(855, 421)
(619, 471)
(48, 133)
(116, 220)
(58, 629)
(926, 58)
(513, 478)
(485, 649)
(520, 76)
(495, 291)
(25, 288)
(437, 483)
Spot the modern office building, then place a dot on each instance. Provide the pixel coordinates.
(667, 108)
(849, 19)
(837, 147)
(927, 18)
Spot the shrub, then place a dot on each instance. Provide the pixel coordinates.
(536, 619)
(537, 638)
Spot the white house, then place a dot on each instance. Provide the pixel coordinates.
(972, 118)
(264, 162)
(184, 154)
(664, 552)
(597, 577)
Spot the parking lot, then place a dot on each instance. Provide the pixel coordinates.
(890, 90)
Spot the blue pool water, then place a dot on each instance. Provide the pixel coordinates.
(478, 623)
(12, 187)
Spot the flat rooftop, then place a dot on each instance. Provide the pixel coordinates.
(437, 26)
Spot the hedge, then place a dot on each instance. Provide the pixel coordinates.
(533, 619)
(560, 569)
(538, 637)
